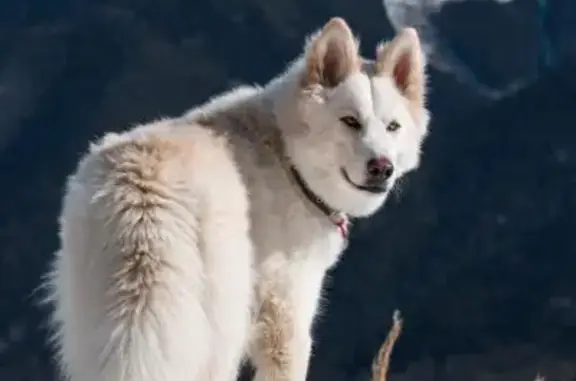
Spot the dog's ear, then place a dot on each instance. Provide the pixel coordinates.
(403, 60)
(331, 55)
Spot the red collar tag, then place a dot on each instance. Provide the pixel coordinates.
(342, 223)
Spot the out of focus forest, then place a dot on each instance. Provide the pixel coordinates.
(478, 249)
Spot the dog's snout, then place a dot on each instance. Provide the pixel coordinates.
(380, 168)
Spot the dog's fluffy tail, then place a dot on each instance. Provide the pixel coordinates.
(146, 278)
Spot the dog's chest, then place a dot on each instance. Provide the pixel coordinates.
(299, 235)
(284, 221)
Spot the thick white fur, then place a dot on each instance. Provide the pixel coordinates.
(185, 244)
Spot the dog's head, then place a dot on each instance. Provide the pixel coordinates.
(358, 125)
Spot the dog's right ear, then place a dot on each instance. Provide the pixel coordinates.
(331, 55)
(402, 60)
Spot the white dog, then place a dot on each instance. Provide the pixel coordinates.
(190, 243)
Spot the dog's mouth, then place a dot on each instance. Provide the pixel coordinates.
(374, 189)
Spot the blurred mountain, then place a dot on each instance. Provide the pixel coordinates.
(475, 250)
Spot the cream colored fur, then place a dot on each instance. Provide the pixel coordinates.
(185, 243)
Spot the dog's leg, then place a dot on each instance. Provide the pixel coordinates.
(288, 294)
(230, 289)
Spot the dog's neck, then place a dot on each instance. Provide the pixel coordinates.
(278, 93)
(338, 218)
(261, 107)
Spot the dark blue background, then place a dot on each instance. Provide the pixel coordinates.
(478, 249)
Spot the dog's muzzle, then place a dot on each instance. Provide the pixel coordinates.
(371, 185)
(379, 171)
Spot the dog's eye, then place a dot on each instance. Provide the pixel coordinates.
(393, 126)
(351, 122)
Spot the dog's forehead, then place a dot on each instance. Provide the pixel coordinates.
(366, 93)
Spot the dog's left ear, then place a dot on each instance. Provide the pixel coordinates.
(403, 60)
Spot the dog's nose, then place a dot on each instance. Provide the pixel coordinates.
(380, 168)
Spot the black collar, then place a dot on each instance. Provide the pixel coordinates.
(339, 219)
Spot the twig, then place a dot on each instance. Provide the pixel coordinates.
(382, 360)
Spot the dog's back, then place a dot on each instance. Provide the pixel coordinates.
(138, 290)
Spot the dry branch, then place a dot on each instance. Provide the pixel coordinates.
(382, 360)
